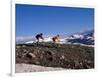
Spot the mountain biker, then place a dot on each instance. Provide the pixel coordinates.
(39, 36)
(56, 39)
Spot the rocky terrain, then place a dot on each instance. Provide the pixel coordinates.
(67, 56)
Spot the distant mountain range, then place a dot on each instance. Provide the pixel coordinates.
(86, 38)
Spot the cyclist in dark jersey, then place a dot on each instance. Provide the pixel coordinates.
(39, 36)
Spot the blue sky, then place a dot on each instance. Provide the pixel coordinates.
(51, 20)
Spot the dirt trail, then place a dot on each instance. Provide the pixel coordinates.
(21, 68)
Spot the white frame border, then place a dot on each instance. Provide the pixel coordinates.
(48, 3)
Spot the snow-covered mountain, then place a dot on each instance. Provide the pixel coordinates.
(86, 37)
(22, 40)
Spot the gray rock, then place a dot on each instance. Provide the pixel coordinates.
(31, 55)
(62, 57)
(18, 47)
